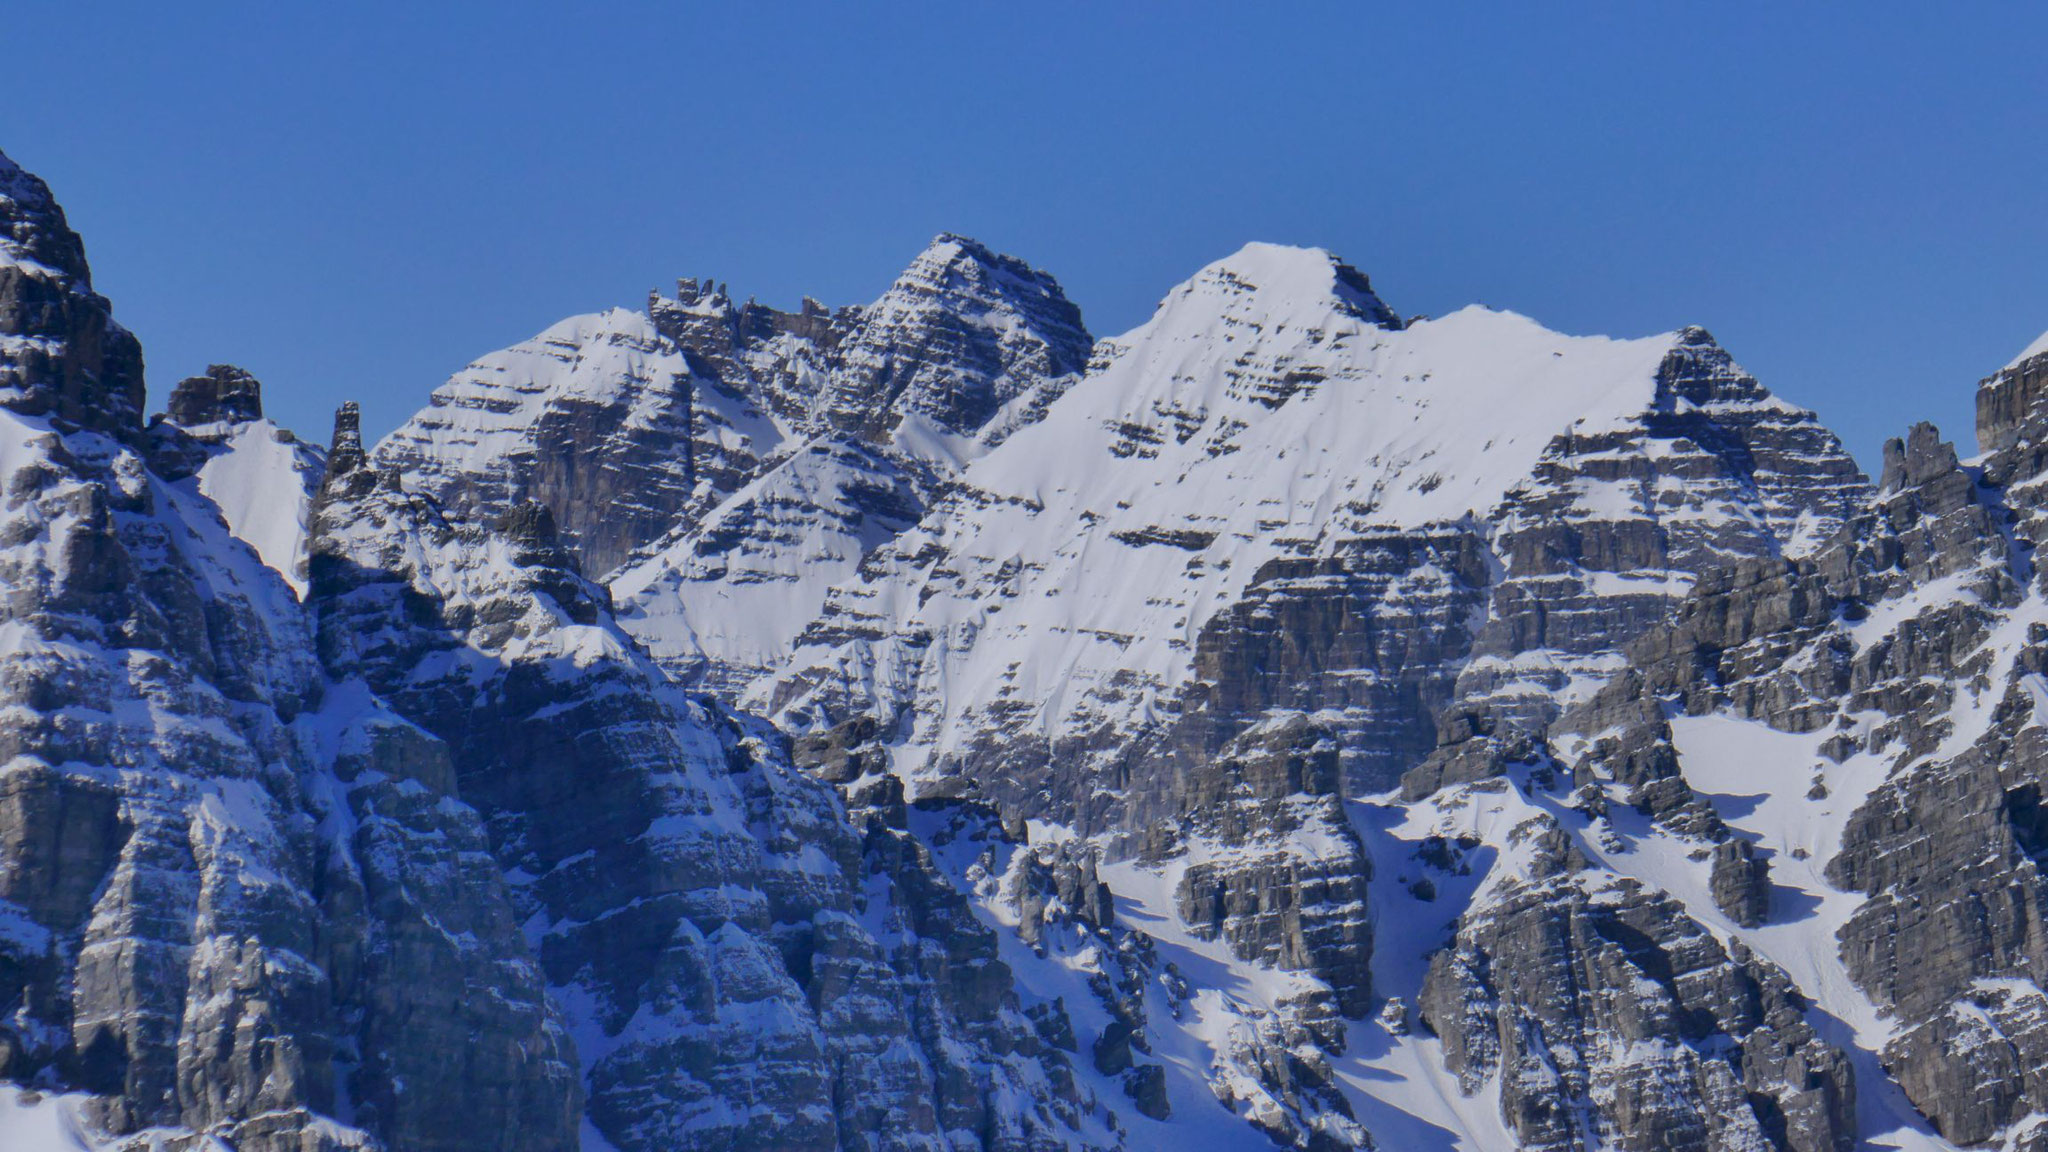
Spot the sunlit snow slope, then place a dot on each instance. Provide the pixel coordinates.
(1272, 408)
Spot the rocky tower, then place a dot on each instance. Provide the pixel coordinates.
(225, 394)
(65, 356)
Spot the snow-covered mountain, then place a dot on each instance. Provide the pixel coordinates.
(728, 464)
(917, 725)
(1272, 414)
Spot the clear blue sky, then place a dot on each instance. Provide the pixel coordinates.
(354, 205)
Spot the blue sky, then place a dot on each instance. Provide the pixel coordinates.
(354, 204)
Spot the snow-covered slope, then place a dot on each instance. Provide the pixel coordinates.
(2032, 350)
(259, 476)
(260, 479)
(33, 1122)
(1249, 566)
(733, 590)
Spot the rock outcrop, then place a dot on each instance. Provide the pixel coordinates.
(65, 358)
(1610, 1019)
(224, 394)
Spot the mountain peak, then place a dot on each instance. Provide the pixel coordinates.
(960, 333)
(72, 360)
(958, 264)
(1279, 279)
(2012, 403)
(33, 232)
(949, 246)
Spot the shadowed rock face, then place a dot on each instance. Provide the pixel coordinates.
(595, 419)
(141, 961)
(1270, 900)
(696, 903)
(225, 394)
(65, 357)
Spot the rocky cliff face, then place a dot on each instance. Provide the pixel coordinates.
(183, 933)
(1281, 725)
(700, 911)
(594, 419)
(65, 357)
